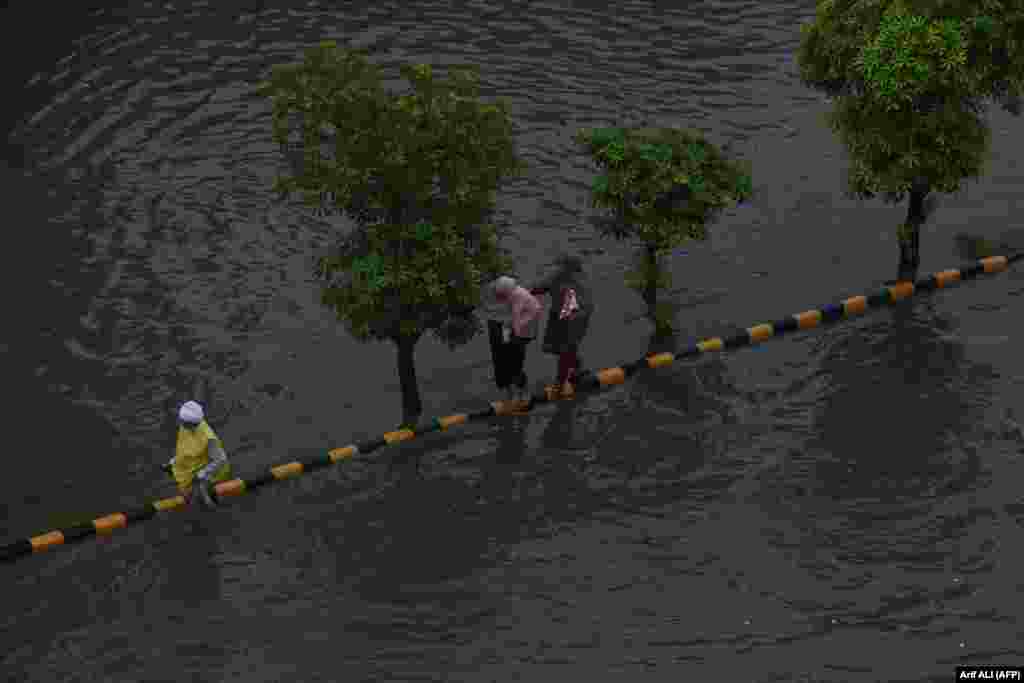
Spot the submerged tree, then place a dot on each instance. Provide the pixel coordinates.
(417, 173)
(662, 187)
(910, 80)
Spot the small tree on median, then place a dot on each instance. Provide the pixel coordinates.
(417, 173)
(910, 80)
(661, 187)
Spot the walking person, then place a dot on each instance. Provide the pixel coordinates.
(571, 307)
(199, 460)
(509, 348)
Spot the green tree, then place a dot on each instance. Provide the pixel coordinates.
(911, 80)
(417, 173)
(661, 187)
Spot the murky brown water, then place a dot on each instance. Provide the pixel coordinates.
(841, 505)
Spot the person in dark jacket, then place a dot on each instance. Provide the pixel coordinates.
(572, 304)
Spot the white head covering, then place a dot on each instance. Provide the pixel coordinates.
(504, 285)
(191, 412)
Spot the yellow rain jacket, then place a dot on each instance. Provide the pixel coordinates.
(193, 455)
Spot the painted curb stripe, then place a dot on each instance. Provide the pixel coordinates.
(371, 445)
(879, 299)
(292, 469)
(452, 420)
(759, 333)
(807, 319)
(972, 272)
(901, 290)
(143, 513)
(260, 481)
(400, 435)
(736, 341)
(317, 462)
(611, 376)
(946, 278)
(855, 305)
(169, 503)
(106, 525)
(46, 541)
(714, 344)
(786, 325)
(691, 351)
(78, 532)
(630, 369)
(587, 381)
(659, 360)
(233, 487)
(832, 313)
(994, 264)
(503, 407)
(429, 428)
(339, 454)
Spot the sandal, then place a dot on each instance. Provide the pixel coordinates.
(522, 403)
(562, 391)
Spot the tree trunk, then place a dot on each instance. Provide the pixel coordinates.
(910, 235)
(661, 341)
(651, 286)
(412, 407)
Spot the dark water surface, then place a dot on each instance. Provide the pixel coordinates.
(841, 505)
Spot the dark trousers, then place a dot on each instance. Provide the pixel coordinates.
(508, 357)
(568, 365)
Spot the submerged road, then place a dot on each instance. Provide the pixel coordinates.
(841, 505)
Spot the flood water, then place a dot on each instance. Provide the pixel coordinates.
(838, 505)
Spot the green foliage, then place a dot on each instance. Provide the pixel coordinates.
(372, 268)
(984, 25)
(889, 150)
(909, 78)
(403, 281)
(424, 231)
(911, 56)
(663, 184)
(417, 171)
(655, 153)
(974, 47)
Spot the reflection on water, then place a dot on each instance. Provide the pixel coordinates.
(189, 574)
(886, 495)
(903, 445)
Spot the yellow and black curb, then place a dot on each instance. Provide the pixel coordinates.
(588, 381)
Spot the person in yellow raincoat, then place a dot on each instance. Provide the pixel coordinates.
(199, 457)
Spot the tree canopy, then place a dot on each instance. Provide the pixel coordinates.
(911, 79)
(662, 187)
(416, 171)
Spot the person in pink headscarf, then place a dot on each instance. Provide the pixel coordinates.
(525, 309)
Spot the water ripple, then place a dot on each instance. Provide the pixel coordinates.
(805, 500)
